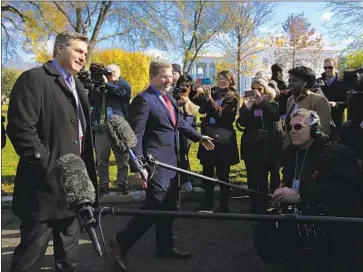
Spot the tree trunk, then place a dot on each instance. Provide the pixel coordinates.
(239, 45)
(101, 18)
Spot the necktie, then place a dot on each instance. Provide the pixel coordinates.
(80, 114)
(170, 108)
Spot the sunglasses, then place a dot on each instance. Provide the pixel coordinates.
(185, 85)
(296, 127)
(328, 67)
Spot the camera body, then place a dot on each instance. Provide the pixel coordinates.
(353, 80)
(98, 70)
(177, 93)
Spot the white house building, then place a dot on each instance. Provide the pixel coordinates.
(205, 65)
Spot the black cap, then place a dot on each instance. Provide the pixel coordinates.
(177, 68)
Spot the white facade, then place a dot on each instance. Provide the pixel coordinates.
(205, 65)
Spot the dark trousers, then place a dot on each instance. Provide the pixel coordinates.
(222, 172)
(257, 179)
(138, 225)
(34, 241)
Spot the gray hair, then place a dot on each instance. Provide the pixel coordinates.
(65, 37)
(310, 116)
(114, 67)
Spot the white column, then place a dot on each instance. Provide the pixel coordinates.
(194, 70)
(207, 70)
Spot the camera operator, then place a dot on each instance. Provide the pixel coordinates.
(261, 142)
(188, 111)
(111, 95)
(335, 91)
(321, 177)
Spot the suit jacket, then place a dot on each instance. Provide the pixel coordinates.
(43, 126)
(156, 134)
(336, 92)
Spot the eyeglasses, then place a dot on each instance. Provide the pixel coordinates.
(328, 67)
(296, 127)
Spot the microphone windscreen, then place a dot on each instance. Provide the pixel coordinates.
(73, 181)
(121, 133)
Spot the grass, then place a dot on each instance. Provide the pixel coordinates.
(9, 162)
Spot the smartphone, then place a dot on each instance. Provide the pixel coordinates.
(206, 81)
(250, 94)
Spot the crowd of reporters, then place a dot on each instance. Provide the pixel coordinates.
(265, 116)
(285, 126)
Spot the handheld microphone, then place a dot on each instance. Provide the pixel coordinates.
(79, 194)
(124, 138)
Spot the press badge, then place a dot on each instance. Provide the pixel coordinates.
(296, 184)
(258, 113)
(109, 112)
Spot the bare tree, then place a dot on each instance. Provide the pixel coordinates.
(346, 22)
(241, 39)
(11, 23)
(125, 24)
(193, 24)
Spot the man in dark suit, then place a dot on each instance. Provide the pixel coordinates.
(155, 119)
(335, 91)
(48, 118)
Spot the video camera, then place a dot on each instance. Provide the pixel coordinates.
(95, 75)
(353, 80)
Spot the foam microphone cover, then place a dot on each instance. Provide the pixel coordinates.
(121, 133)
(73, 181)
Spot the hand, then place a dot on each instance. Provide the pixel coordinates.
(143, 182)
(206, 142)
(332, 104)
(286, 195)
(207, 91)
(248, 102)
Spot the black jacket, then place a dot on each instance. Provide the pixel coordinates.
(117, 97)
(256, 145)
(42, 126)
(330, 177)
(3, 132)
(336, 92)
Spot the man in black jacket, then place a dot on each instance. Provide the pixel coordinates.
(322, 177)
(112, 98)
(335, 91)
(48, 117)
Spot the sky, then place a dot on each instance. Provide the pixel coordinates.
(314, 11)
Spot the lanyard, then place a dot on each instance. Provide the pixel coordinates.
(302, 165)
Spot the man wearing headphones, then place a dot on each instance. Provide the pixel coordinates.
(322, 177)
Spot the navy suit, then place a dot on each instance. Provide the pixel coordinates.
(156, 135)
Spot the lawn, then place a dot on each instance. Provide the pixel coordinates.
(9, 161)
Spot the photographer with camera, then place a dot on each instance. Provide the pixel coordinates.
(188, 111)
(110, 95)
(261, 140)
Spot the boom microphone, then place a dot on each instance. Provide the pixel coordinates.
(124, 138)
(79, 194)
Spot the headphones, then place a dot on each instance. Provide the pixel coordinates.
(315, 126)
